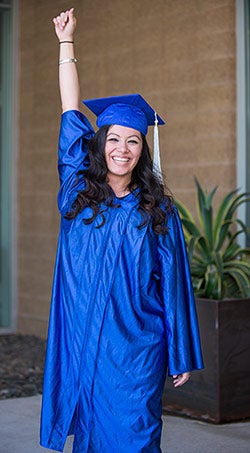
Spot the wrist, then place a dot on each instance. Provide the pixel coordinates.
(66, 42)
(66, 38)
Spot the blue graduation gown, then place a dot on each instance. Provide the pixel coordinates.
(122, 313)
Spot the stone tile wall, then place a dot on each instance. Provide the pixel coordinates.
(179, 54)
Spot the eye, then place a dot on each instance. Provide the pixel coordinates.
(112, 139)
(133, 141)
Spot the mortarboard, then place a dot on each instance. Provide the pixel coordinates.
(129, 110)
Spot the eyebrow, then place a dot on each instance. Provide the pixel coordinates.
(130, 136)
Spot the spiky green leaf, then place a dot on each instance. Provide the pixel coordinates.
(219, 266)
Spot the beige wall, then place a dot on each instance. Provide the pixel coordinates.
(179, 54)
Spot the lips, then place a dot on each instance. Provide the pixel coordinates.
(120, 159)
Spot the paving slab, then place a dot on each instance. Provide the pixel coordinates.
(19, 432)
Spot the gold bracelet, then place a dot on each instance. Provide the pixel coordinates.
(68, 60)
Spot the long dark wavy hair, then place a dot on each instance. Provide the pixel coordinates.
(154, 202)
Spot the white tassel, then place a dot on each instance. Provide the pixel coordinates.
(157, 157)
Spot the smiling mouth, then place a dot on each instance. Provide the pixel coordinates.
(120, 159)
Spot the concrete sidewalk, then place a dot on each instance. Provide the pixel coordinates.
(19, 432)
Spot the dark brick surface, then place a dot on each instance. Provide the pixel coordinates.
(21, 365)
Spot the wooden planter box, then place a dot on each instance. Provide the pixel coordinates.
(220, 392)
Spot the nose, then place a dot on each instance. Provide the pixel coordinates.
(122, 146)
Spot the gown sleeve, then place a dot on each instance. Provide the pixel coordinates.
(184, 350)
(75, 132)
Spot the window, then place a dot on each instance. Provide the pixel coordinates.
(243, 108)
(5, 159)
(247, 157)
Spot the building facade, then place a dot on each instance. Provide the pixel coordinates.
(188, 58)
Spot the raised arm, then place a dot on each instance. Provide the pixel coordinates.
(65, 25)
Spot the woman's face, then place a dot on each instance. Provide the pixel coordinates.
(122, 150)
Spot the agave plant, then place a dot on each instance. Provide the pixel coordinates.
(220, 267)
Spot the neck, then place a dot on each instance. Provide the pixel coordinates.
(119, 185)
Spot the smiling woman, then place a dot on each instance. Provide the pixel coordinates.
(122, 153)
(122, 309)
(102, 186)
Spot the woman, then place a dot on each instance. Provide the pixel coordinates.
(122, 309)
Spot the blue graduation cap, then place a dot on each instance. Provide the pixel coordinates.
(130, 110)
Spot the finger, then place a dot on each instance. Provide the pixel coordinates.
(58, 21)
(61, 20)
(72, 19)
(65, 16)
(181, 379)
(178, 382)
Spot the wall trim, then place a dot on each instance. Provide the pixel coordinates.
(241, 106)
(14, 172)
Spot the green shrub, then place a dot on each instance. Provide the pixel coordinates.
(220, 267)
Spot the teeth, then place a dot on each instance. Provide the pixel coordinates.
(120, 159)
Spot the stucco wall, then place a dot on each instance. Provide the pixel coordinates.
(178, 54)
